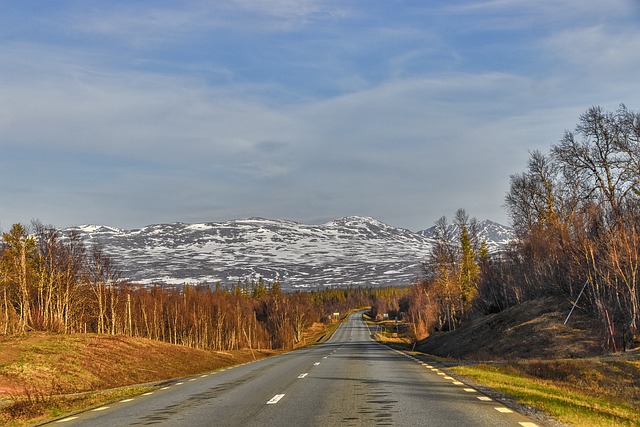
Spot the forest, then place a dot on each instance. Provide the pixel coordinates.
(576, 214)
(61, 285)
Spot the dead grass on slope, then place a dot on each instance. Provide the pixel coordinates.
(79, 363)
(532, 330)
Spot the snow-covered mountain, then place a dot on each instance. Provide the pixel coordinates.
(347, 251)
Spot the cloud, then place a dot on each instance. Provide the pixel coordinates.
(135, 113)
(116, 112)
(514, 14)
(597, 49)
(152, 24)
(373, 149)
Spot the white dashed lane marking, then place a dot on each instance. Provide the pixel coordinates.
(303, 375)
(275, 399)
(64, 420)
(102, 408)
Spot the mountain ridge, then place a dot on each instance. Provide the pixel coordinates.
(348, 251)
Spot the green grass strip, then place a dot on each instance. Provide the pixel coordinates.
(567, 405)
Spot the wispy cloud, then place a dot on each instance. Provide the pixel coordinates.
(132, 113)
(151, 24)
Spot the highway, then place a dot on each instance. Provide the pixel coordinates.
(349, 381)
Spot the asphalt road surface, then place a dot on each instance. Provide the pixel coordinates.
(349, 381)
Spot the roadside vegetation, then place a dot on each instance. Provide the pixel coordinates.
(576, 213)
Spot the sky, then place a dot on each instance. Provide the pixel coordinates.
(127, 114)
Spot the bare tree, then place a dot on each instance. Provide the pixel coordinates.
(103, 280)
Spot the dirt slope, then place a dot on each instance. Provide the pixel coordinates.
(532, 330)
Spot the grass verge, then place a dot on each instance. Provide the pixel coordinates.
(34, 407)
(584, 392)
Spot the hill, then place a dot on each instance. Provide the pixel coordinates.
(533, 329)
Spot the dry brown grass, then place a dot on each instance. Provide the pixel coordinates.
(79, 363)
(532, 330)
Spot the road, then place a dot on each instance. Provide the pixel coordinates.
(349, 381)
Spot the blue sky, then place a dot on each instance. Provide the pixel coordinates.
(133, 113)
